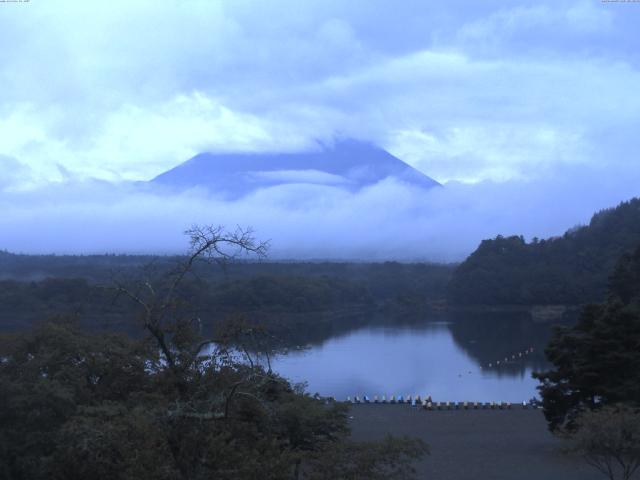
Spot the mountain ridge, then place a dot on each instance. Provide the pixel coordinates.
(349, 164)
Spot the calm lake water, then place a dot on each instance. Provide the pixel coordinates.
(451, 360)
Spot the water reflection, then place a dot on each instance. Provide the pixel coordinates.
(447, 359)
(492, 337)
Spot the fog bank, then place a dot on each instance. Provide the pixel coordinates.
(389, 220)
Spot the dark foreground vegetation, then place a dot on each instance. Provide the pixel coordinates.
(592, 394)
(77, 405)
(172, 379)
(597, 361)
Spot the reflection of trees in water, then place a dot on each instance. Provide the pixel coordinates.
(312, 329)
(292, 330)
(488, 337)
(485, 336)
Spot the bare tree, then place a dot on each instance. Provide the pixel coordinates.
(609, 440)
(158, 295)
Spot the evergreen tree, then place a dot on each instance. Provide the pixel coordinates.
(597, 361)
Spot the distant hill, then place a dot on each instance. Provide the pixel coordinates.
(572, 269)
(348, 164)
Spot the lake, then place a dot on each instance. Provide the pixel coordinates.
(483, 357)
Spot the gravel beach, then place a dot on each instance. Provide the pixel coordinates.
(475, 444)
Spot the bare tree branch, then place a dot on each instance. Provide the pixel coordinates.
(158, 301)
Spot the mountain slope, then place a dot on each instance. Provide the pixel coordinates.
(348, 164)
(572, 269)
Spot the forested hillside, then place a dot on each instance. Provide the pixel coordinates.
(287, 298)
(572, 269)
(385, 280)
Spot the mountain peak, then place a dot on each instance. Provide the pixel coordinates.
(347, 163)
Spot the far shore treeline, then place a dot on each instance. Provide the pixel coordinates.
(286, 298)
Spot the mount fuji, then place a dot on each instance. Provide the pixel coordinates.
(348, 164)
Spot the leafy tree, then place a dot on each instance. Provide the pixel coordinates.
(609, 440)
(597, 361)
(47, 374)
(172, 405)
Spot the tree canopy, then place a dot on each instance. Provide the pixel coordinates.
(174, 404)
(609, 440)
(571, 269)
(597, 361)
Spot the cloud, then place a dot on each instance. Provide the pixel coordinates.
(520, 107)
(529, 26)
(467, 91)
(300, 176)
(389, 220)
(449, 115)
(498, 152)
(13, 173)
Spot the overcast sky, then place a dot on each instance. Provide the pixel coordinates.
(499, 94)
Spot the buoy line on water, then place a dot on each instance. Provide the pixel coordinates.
(427, 403)
(509, 359)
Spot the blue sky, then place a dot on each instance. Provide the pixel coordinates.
(510, 93)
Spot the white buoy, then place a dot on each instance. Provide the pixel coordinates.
(375, 399)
